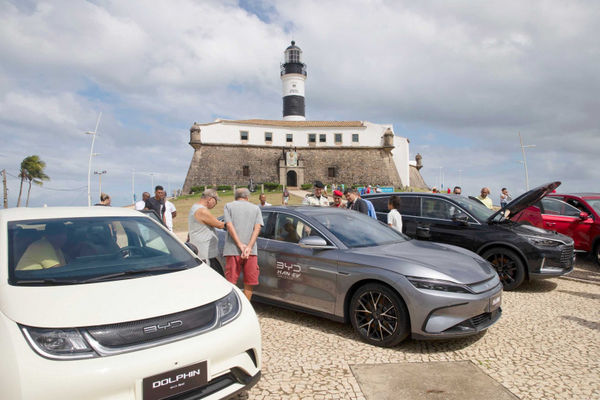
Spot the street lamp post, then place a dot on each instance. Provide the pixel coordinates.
(525, 160)
(100, 173)
(90, 162)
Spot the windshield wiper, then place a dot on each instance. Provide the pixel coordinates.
(47, 281)
(132, 273)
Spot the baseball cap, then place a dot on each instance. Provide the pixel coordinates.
(319, 184)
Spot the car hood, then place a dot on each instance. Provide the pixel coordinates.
(529, 230)
(427, 260)
(525, 200)
(112, 301)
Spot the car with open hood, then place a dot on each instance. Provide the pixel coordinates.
(104, 302)
(517, 252)
(346, 266)
(576, 215)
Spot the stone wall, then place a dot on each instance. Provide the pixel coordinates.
(223, 165)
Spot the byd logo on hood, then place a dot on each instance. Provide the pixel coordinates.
(158, 327)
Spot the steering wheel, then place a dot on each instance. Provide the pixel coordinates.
(131, 251)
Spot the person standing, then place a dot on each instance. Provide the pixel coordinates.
(485, 198)
(157, 203)
(354, 202)
(263, 200)
(140, 205)
(202, 224)
(457, 190)
(243, 221)
(285, 197)
(170, 213)
(317, 198)
(104, 200)
(370, 207)
(394, 219)
(505, 198)
(337, 199)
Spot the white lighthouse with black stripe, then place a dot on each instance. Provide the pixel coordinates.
(293, 75)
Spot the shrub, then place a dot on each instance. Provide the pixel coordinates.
(306, 186)
(272, 186)
(223, 187)
(195, 189)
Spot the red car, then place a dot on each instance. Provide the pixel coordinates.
(576, 215)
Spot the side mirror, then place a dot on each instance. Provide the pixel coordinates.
(583, 215)
(462, 218)
(192, 247)
(314, 242)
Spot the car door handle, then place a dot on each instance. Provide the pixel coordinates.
(423, 228)
(550, 223)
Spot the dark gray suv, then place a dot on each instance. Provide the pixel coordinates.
(516, 251)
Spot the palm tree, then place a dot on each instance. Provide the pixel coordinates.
(32, 169)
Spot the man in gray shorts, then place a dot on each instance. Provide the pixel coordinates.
(243, 220)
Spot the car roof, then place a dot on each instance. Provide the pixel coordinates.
(444, 195)
(582, 195)
(25, 213)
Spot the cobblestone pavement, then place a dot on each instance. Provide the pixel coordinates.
(545, 346)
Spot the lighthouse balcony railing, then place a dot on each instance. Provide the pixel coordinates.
(293, 68)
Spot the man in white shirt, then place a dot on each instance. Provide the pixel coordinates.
(140, 205)
(263, 200)
(170, 213)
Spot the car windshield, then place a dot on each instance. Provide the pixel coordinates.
(474, 207)
(359, 230)
(595, 204)
(83, 250)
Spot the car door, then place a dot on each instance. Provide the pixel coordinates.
(295, 275)
(564, 218)
(436, 223)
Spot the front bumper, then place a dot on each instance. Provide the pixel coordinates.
(551, 263)
(451, 315)
(232, 353)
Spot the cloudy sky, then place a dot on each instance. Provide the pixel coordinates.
(460, 79)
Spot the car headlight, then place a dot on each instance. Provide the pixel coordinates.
(440, 285)
(228, 308)
(58, 343)
(543, 242)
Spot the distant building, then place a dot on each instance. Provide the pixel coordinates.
(294, 151)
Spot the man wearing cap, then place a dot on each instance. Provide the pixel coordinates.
(337, 199)
(317, 198)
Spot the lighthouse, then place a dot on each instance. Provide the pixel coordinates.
(293, 75)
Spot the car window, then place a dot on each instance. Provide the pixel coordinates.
(595, 204)
(289, 228)
(473, 207)
(578, 204)
(380, 203)
(410, 205)
(437, 208)
(557, 207)
(60, 251)
(266, 230)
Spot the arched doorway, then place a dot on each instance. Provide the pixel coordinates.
(292, 178)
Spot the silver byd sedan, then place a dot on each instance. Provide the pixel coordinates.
(345, 266)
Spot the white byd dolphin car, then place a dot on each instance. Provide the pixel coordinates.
(105, 303)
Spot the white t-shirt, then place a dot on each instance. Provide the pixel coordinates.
(169, 209)
(140, 205)
(395, 220)
(266, 204)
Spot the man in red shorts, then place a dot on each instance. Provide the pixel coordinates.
(243, 221)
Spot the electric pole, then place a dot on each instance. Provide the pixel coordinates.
(5, 191)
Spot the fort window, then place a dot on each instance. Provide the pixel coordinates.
(322, 138)
(331, 172)
(246, 170)
(244, 135)
(355, 138)
(312, 138)
(289, 138)
(268, 137)
(338, 138)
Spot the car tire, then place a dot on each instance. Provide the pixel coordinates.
(596, 253)
(508, 265)
(379, 315)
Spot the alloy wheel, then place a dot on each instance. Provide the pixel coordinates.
(376, 316)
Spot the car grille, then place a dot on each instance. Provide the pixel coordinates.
(152, 329)
(477, 322)
(566, 257)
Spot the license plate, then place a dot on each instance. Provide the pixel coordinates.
(175, 382)
(495, 302)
